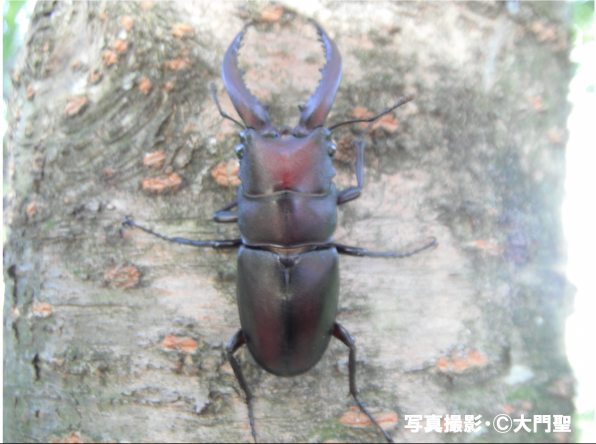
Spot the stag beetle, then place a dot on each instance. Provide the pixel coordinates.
(288, 276)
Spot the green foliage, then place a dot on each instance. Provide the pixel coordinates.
(583, 20)
(584, 423)
(12, 39)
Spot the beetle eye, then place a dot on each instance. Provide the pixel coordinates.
(331, 149)
(239, 151)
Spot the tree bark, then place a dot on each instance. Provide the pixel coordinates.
(111, 334)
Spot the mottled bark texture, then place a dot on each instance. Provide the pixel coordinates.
(112, 334)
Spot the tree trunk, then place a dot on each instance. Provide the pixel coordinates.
(112, 334)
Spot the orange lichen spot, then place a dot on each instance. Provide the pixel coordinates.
(147, 5)
(185, 345)
(535, 102)
(46, 46)
(119, 45)
(226, 173)
(460, 362)
(31, 209)
(544, 33)
(169, 85)
(181, 29)
(459, 365)
(74, 438)
(154, 159)
(94, 76)
(109, 173)
(361, 112)
(555, 135)
(75, 105)
(126, 21)
(42, 310)
(355, 418)
(271, 15)
(443, 364)
(177, 64)
(102, 15)
(489, 246)
(145, 85)
(475, 358)
(387, 420)
(76, 65)
(388, 122)
(30, 92)
(110, 57)
(160, 184)
(123, 277)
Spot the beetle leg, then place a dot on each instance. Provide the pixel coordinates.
(217, 244)
(354, 251)
(224, 216)
(354, 192)
(235, 343)
(342, 334)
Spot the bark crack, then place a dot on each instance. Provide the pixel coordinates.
(37, 366)
(11, 271)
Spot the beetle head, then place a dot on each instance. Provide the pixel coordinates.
(255, 115)
(286, 162)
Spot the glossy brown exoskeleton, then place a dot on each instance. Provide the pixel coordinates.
(288, 276)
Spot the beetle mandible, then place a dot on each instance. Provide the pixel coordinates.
(288, 277)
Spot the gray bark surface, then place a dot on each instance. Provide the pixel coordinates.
(112, 334)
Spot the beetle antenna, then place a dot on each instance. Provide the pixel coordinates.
(221, 111)
(399, 103)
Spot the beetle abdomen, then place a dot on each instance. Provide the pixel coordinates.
(287, 219)
(287, 306)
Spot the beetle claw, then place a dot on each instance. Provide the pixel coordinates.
(314, 112)
(252, 112)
